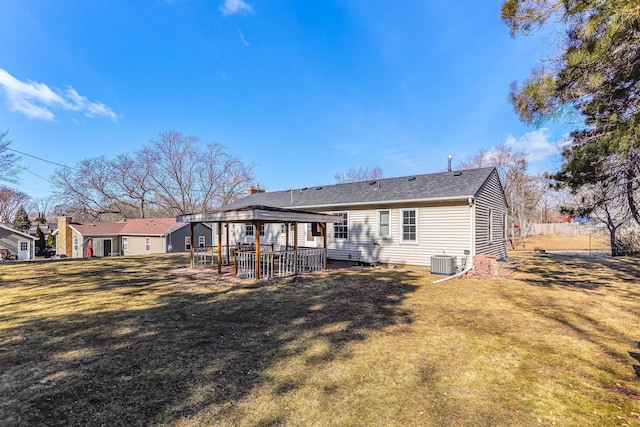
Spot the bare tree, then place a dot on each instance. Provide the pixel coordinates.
(10, 201)
(172, 175)
(189, 179)
(522, 190)
(359, 174)
(9, 167)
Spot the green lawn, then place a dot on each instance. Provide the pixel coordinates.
(138, 341)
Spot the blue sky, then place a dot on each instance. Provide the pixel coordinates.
(304, 89)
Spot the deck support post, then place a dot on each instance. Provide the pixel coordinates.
(219, 248)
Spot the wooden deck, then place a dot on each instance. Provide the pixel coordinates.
(273, 263)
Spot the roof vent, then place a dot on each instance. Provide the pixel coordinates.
(303, 189)
(411, 178)
(458, 173)
(319, 188)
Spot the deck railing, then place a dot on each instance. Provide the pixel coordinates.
(207, 256)
(280, 263)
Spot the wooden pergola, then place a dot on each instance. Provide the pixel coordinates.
(257, 216)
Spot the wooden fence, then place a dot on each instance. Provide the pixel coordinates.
(562, 228)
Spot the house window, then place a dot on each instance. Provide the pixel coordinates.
(504, 226)
(409, 232)
(147, 243)
(283, 228)
(248, 230)
(490, 226)
(201, 241)
(24, 246)
(384, 224)
(75, 243)
(309, 233)
(187, 243)
(262, 230)
(341, 229)
(125, 243)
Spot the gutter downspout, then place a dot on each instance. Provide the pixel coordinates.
(472, 245)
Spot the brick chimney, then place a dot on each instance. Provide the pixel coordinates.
(63, 241)
(255, 190)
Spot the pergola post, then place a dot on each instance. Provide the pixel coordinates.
(191, 226)
(226, 226)
(257, 225)
(219, 248)
(295, 247)
(323, 226)
(286, 236)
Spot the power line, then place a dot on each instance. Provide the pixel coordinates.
(41, 159)
(33, 173)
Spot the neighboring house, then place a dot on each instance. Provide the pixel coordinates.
(404, 220)
(14, 243)
(128, 237)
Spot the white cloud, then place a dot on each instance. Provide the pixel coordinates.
(536, 144)
(235, 7)
(37, 100)
(244, 41)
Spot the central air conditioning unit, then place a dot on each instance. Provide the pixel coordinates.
(443, 264)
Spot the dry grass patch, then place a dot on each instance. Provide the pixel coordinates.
(136, 341)
(562, 242)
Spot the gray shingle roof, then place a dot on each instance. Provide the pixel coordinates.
(435, 186)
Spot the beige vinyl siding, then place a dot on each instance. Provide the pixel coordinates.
(443, 229)
(76, 249)
(137, 245)
(490, 199)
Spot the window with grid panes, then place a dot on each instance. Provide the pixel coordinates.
(341, 229)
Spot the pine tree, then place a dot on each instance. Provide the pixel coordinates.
(51, 241)
(596, 76)
(40, 243)
(21, 221)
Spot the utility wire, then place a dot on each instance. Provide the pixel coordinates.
(41, 159)
(33, 173)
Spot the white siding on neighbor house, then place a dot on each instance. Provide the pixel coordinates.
(490, 199)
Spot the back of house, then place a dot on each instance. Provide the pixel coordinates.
(404, 220)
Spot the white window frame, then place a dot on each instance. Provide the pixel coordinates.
(202, 240)
(379, 223)
(249, 230)
(147, 244)
(344, 224)
(125, 243)
(504, 226)
(402, 225)
(76, 245)
(187, 243)
(262, 230)
(490, 225)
